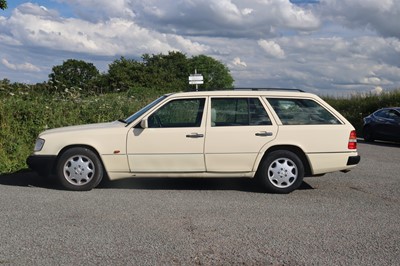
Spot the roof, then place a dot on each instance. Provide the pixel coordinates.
(263, 92)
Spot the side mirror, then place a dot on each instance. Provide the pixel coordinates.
(144, 124)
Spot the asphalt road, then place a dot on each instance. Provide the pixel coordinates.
(337, 219)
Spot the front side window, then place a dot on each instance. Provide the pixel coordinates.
(238, 112)
(144, 110)
(301, 112)
(178, 113)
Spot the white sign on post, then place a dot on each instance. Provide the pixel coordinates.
(196, 79)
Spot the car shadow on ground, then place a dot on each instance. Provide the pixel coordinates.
(239, 184)
(28, 178)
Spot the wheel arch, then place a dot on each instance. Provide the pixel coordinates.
(296, 150)
(91, 148)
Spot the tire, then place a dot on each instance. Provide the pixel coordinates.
(367, 134)
(281, 172)
(79, 169)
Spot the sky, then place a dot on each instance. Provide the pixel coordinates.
(329, 47)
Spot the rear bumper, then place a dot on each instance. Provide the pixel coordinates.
(322, 163)
(42, 164)
(353, 160)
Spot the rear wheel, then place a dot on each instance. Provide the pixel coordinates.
(79, 169)
(281, 172)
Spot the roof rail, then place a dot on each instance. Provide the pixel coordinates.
(268, 89)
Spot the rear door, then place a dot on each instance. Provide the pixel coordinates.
(237, 130)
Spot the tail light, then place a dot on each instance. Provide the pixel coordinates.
(352, 145)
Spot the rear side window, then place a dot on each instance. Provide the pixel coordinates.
(301, 112)
(238, 112)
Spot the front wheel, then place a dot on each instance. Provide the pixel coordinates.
(281, 172)
(79, 169)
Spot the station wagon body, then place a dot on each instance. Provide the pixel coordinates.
(278, 136)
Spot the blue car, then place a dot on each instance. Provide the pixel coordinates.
(383, 124)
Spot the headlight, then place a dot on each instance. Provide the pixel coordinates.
(39, 145)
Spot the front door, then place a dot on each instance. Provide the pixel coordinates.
(172, 142)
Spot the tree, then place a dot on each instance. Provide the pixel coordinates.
(168, 72)
(215, 74)
(3, 4)
(123, 74)
(74, 73)
(5, 82)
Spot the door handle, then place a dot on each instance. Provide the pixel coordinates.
(194, 135)
(263, 134)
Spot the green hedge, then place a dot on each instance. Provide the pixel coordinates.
(24, 114)
(359, 106)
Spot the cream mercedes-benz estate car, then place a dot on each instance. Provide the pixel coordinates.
(274, 135)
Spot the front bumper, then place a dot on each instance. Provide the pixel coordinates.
(42, 164)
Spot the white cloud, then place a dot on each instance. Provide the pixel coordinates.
(272, 48)
(32, 24)
(163, 14)
(346, 45)
(25, 66)
(247, 11)
(95, 10)
(227, 10)
(182, 44)
(371, 81)
(381, 16)
(296, 17)
(38, 11)
(238, 62)
(377, 90)
(231, 18)
(319, 63)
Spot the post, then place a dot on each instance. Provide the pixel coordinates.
(197, 85)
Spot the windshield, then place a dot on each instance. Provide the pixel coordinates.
(144, 110)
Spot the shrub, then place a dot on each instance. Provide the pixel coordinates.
(24, 114)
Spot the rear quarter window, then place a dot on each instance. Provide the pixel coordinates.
(302, 112)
